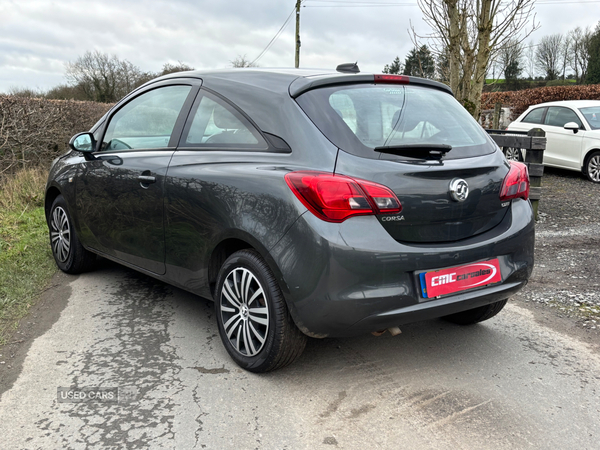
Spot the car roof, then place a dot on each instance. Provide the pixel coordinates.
(294, 81)
(569, 103)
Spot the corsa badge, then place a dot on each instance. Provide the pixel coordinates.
(459, 190)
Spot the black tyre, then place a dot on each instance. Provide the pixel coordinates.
(254, 322)
(513, 154)
(69, 254)
(476, 315)
(592, 167)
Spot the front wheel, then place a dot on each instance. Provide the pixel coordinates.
(476, 315)
(70, 256)
(592, 167)
(254, 323)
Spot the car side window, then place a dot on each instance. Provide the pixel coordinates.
(214, 123)
(535, 116)
(147, 121)
(558, 116)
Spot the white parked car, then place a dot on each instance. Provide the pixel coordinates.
(572, 131)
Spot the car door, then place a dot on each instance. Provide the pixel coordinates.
(120, 189)
(563, 147)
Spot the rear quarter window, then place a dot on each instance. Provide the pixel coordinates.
(359, 118)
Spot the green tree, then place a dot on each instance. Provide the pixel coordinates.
(394, 68)
(419, 63)
(593, 69)
(510, 59)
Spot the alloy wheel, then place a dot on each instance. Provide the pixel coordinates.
(593, 168)
(513, 154)
(244, 312)
(60, 234)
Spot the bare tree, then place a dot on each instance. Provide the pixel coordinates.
(579, 56)
(473, 33)
(241, 61)
(565, 51)
(548, 55)
(172, 68)
(103, 78)
(530, 57)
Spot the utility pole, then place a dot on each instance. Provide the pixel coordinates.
(298, 33)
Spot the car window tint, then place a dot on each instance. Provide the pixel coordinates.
(359, 118)
(147, 121)
(214, 123)
(592, 115)
(535, 116)
(558, 116)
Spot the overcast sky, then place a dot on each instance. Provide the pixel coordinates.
(37, 37)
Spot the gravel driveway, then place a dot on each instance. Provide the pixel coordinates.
(566, 276)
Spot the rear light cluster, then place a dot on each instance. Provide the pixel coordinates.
(334, 198)
(516, 182)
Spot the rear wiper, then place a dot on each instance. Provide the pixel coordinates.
(421, 151)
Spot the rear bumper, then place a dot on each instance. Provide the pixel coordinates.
(353, 278)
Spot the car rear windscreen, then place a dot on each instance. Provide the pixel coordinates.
(359, 118)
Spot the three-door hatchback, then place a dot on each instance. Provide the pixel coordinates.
(305, 203)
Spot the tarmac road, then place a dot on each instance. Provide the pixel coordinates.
(510, 383)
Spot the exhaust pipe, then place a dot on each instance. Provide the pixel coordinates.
(394, 331)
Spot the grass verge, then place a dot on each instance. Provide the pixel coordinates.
(26, 263)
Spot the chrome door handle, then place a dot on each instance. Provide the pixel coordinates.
(146, 179)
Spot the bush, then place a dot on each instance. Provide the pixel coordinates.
(34, 131)
(519, 101)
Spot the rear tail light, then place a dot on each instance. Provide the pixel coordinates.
(334, 198)
(516, 182)
(391, 79)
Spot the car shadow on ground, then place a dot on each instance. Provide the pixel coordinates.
(428, 345)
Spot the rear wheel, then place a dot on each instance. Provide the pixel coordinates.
(513, 154)
(592, 167)
(476, 315)
(254, 322)
(69, 254)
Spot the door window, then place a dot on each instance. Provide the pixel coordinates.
(147, 121)
(558, 116)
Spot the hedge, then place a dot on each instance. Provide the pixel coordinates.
(34, 131)
(519, 101)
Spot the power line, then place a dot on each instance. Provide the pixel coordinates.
(363, 4)
(272, 41)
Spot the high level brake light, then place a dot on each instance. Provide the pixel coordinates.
(516, 182)
(391, 79)
(335, 198)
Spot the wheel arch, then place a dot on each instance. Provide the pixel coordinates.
(51, 194)
(233, 243)
(587, 156)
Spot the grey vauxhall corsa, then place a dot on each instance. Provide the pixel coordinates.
(304, 202)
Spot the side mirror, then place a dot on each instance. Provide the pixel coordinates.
(571, 126)
(83, 142)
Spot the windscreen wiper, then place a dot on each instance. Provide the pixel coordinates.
(421, 151)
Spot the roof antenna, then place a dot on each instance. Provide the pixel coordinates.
(348, 68)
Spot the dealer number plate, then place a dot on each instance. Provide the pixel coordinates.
(460, 278)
